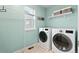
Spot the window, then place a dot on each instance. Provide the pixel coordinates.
(29, 18)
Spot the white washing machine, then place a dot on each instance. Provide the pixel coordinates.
(63, 41)
(45, 35)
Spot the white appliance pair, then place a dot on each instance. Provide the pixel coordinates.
(57, 40)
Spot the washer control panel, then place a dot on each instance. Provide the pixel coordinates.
(46, 29)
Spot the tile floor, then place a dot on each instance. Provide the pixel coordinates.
(36, 49)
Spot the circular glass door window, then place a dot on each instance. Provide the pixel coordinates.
(62, 42)
(43, 36)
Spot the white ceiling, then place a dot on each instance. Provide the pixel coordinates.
(46, 6)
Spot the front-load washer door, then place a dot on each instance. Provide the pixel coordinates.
(62, 42)
(43, 36)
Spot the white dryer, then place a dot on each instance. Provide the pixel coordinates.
(63, 40)
(45, 35)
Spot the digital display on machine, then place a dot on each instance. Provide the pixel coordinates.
(69, 31)
(46, 29)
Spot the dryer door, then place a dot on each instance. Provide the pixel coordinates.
(62, 42)
(43, 36)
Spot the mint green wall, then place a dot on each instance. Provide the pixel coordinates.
(66, 21)
(12, 34)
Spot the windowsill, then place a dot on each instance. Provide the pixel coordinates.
(30, 29)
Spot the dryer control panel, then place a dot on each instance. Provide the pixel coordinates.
(69, 31)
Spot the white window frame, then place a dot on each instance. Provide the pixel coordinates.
(25, 19)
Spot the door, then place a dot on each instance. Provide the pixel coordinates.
(62, 42)
(43, 36)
